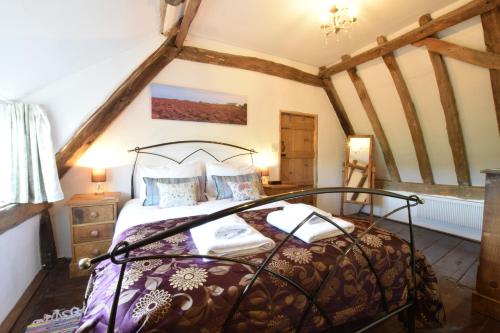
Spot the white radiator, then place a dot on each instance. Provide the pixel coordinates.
(455, 216)
(460, 213)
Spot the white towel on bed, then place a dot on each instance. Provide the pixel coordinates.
(230, 236)
(313, 230)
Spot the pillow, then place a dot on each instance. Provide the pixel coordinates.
(153, 195)
(224, 191)
(244, 190)
(224, 169)
(194, 169)
(174, 195)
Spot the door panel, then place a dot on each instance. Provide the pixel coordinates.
(294, 121)
(298, 171)
(298, 149)
(298, 143)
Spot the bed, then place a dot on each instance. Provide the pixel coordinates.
(154, 280)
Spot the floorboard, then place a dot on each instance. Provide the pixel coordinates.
(454, 259)
(456, 262)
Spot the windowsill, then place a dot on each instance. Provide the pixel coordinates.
(15, 214)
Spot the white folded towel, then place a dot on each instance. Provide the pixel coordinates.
(300, 211)
(230, 236)
(313, 230)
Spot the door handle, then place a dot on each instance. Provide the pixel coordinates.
(283, 148)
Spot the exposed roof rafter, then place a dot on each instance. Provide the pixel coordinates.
(249, 63)
(473, 8)
(189, 15)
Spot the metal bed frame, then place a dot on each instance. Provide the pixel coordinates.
(120, 253)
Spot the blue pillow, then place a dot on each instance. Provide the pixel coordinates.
(153, 194)
(223, 189)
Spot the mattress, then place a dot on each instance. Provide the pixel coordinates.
(134, 213)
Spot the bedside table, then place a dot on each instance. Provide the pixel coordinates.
(273, 189)
(92, 218)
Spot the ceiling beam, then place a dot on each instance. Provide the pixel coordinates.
(375, 122)
(491, 29)
(453, 126)
(410, 112)
(462, 53)
(189, 15)
(473, 8)
(87, 133)
(163, 14)
(249, 63)
(465, 192)
(338, 107)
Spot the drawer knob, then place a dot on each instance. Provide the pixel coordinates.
(94, 233)
(93, 215)
(96, 252)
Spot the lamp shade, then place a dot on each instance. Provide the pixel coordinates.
(264, 171)
(98, 175)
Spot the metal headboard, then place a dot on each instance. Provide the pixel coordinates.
(142, 150)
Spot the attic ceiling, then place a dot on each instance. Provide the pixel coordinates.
(77, 34)
(290, 28)
(82, 33)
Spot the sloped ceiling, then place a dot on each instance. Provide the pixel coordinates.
(44, 41)
(290, 28)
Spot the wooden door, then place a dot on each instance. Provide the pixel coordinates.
(298, 149)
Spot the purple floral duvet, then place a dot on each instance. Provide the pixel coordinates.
(196, 295)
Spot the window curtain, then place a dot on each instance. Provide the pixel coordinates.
(28, 168)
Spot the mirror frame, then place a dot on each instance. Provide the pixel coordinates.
(370, 170)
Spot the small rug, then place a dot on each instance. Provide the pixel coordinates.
(60, 321)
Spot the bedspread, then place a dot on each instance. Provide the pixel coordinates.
(196, 295)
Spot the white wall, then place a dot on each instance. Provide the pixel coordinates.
(472, 88)
(71, 100)
(20, 251)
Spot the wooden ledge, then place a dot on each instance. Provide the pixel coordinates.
(464, 192)
(16, 214)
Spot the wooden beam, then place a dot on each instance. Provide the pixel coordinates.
(466, 192)
(473, 8)
(174, 2)
(114, 106)
(338, 107)
(465, 54)
(410, 112)
(375, 122)
(14, 215)
(163, 14)
(249, 63)
(491, 29)
(189, 14)
(453, 127)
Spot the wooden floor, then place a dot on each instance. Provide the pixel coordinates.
(454, 260)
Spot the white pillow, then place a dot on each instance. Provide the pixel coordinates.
(194, 169)
(224, 169)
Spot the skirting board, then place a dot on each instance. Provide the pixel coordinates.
(21, 304)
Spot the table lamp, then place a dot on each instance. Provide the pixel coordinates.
(99, 177)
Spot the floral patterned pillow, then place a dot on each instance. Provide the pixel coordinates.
(244, 190)
(181, 194)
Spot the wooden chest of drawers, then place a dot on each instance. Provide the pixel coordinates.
(92, 218)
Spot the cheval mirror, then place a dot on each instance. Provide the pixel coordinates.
(358, 171)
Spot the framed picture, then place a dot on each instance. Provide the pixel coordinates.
(179, 103)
